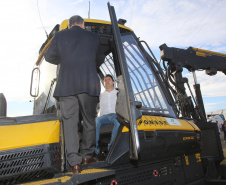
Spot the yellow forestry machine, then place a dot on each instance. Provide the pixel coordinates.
(163, 137)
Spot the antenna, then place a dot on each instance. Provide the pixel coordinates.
(131, 14)
(41, 21)
(89, 11)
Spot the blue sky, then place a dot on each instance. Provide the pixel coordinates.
(181, 24)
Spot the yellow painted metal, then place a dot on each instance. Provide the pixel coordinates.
(209, 52)
(60, 179)
(193, 125)
(92, 170)
(67, 177)
(200, 54)
(152, 123)
(30, 134)
(64, 23)
(42, 53)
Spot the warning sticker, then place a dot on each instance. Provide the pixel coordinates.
(172, 121)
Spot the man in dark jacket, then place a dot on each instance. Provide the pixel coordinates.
(78, 87)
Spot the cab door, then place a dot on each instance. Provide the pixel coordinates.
(125, 106)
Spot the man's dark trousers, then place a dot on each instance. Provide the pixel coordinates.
(70, 107)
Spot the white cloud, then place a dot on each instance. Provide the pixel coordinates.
(19, 39)
(181, 23)
(77, 2)
(211, 86)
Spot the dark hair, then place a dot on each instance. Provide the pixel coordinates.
(76, 19)
(108, 75)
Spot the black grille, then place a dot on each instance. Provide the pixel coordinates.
(31, 163)
(136, 178)
(22, 165)
(20, 154)
(211, 143)
(25, 177)
(102, 28)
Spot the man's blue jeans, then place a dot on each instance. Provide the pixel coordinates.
(105, 120)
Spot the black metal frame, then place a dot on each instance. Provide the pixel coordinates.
(159, 75)
(156, 72)
(29, 163)
(134, 138)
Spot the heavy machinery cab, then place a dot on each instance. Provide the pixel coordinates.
(146, 86)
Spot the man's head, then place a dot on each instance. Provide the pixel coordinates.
(76, 20)
(109, 82)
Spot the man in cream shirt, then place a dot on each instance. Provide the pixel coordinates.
(107, 110)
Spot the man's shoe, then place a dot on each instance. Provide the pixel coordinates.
(76, 169)
(89, 160)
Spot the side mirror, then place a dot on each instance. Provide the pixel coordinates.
(35, 78)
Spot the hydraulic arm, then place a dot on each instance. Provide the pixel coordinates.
(192, 59)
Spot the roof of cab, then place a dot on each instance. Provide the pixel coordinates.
(64, 24)
(94, 25)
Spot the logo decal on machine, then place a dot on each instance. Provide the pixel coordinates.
(172, 121)
(189, 138)
(152, 122)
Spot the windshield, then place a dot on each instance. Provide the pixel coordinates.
(145, 86)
